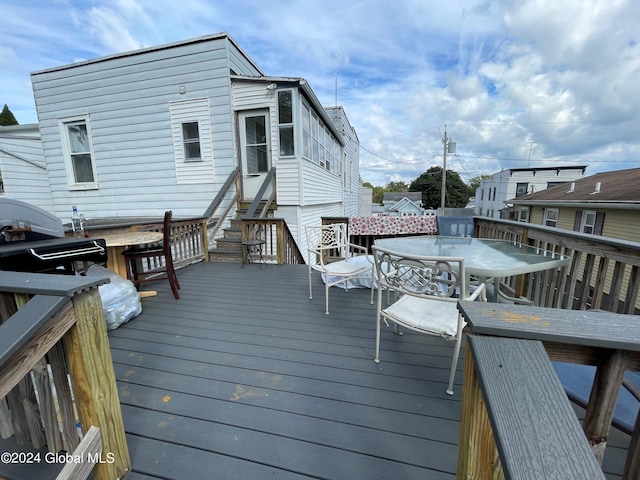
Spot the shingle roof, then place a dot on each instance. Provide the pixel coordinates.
(395, 196)
(621, 186)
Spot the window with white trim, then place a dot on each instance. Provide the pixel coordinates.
(78, 154)
(523, 214)
(191, 142)
(285, 123)
(588, 221)
(319, 144)
(551, 217)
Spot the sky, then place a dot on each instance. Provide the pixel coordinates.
(514, 83)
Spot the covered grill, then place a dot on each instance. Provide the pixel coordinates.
(33, 240)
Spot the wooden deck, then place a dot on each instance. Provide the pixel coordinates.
(245, 377)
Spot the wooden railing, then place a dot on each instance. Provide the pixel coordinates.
(280, 246)
(52, 330)
(604, 272)
(515, 425)
(215, 220)
(189, 239)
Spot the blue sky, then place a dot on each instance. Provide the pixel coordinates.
(518, 83)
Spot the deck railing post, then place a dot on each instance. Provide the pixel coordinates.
(93, 378)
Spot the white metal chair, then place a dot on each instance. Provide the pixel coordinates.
(330, 253)
(422, 290)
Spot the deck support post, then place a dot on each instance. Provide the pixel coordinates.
(603, 398)
(478, 455)
(90, 364)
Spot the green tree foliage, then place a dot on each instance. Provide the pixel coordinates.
(396, 187)
(474, 183)
(430, 184)
(378, 192)
(7, 118)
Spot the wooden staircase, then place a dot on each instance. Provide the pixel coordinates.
(229, 247)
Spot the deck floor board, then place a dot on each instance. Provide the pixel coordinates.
(246, 377)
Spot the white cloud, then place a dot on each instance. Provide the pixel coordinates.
(499, 74)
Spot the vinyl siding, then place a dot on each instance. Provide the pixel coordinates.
(127, 98)
(350, 160)
(22, 165)
(620, 224)
(320, 186)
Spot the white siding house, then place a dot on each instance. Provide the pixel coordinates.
(23, 172)
(492, 194)
(138, 133)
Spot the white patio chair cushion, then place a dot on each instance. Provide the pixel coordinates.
(429, 315)
(361, 265)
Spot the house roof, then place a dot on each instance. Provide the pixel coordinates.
(617, 188)
(205, 38)
(543, 169)
(403, 204)
(396, 196)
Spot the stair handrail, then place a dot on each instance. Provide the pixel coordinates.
(258, 198)
(217, 201)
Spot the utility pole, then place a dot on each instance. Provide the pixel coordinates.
(451, 148)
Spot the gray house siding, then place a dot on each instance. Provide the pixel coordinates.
(22, 166)
(126, 99)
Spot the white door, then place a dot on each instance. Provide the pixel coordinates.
(255, 151)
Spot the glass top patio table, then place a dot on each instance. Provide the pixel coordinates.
(483, 257)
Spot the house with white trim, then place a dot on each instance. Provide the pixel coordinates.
(493, 194)
(23, 171)
(137, 133)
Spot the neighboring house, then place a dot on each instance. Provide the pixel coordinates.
(23, 172)
(606, 204)
(137, 133)
(391, 198)
(491, 197)
(404, 207)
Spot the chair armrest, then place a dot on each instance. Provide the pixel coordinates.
(357, 247)
(480, 291)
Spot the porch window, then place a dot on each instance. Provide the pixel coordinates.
(191, 141)
(285, 123)
(319, 144)
(78, 153)
(551, 217)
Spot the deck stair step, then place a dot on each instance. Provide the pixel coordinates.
(229, 247)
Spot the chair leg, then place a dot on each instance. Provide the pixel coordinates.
(376, 359)
(326, 296)
(310, 289)
(173, 279)
(454, 364)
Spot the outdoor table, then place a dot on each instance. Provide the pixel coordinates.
(610, 341)
(484, 258)
(117, 243)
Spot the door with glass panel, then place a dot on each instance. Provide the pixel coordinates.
(255, 151)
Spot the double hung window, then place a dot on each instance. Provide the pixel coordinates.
(78, 153)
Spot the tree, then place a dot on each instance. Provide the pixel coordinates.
(396, 187)
(474, 183)
(378, 192)
(6, 117)
(430, 184)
